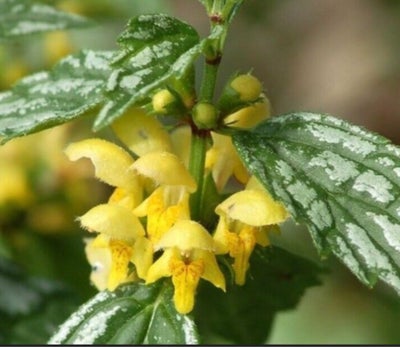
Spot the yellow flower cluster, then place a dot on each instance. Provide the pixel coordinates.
(145, 230)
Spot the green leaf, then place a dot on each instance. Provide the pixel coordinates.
(133, 314)
(244, 314)
(30, 307)
(155, 48)
(45, 99)
(23, 17)
(342, 181)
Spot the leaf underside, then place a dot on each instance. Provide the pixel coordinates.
(340, 180)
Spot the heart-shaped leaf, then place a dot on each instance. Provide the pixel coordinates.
(342, 181)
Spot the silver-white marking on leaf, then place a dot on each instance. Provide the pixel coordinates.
(377, 186)
(335, 136)
(95, 327)
(390, 230)
(302, 193)
(336, 167)
(77, 317)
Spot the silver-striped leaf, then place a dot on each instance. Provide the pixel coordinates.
(154, 49)
(45, 99)
(133, 314)
(19, 18)
(339, 179)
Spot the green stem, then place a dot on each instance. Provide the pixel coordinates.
(209, 79)
(196, 167)
(207, 88)
(200, 137)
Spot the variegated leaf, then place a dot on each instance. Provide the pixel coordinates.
(133, 314)
(24, 17)
(342, 181)
(46, 99)
(155, 48)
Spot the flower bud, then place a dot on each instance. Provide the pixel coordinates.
(205, 115)
(248, 117)
(162, 100)
(247, 86)
(239, 91)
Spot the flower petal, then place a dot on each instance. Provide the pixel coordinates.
(224, 161)
(161, 267)
(141, 133)
(165, 169)
(142, 256)
(126, 199)
(241, 247)
(163, 208)
(121, 254)
(187, 235)
(252, 207)
(111, 162)
(181, 139)
(220, 237)
(114, 221)
(212, 272)
(249, 116)
(99, 258)
(185, 278)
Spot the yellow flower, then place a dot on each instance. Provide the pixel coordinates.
(188, 256)
(222, 157)
(245, 218)
(224, 161)
(112, 165)
(169, 202)
(247, 87)
(122, 237)
(99, 256)
(120, 230)
(141, 133)
(181, 138)
(109, 260)
(249, 116)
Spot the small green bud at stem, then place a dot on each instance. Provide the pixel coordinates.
(205, 115)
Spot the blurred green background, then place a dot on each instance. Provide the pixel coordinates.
(333, 56)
